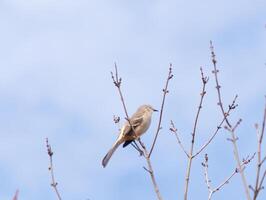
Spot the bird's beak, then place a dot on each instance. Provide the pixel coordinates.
(155, 110)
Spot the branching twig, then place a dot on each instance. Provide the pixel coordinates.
(230, 108)
(165, 91)
(174, 130)
(202, 94)
(233, 137)
(226, 181)
(259, 180)
(117, 82)
(51, 169)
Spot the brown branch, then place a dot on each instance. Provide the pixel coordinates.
(16, 195)
(117, 82)
(226, 181)
(173, 129)
(218, 86)
(257, 189)
(263, 123)
(165, 91)
(51, 169)
(259, 181)
(202, 94)
(262, 179)
(263, 160)
(233, 137)
(150, 170)
(231, 107)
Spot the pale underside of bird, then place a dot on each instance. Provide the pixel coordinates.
(132, 129)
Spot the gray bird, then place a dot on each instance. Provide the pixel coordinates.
(140, 121)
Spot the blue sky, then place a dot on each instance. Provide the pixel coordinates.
(55, 63)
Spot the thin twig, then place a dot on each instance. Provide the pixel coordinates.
(51, 169)
(218, 86)
(206, 175)
(226, 181)
(263, 160)
(257, 189)
(233, 137)
(259, 181)
(165, 91)
(117, 82)
(174, 130)
(263, 123)
(202, 94)
(237, 157)
(231, 107)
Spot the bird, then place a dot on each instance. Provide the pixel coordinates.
(133, 128)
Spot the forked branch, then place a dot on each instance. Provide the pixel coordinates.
(212, 190)
(230, 108)
(173, 129)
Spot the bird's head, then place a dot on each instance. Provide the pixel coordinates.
(149, 108)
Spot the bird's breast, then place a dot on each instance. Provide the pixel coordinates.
(143, 127)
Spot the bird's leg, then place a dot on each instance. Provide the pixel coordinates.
(136, 146)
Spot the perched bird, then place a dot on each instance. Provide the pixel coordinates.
(140, 122)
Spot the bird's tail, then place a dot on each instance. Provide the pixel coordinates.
(111, 151)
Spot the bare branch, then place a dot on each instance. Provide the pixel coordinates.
(237, 124)
(231, 107)
(263, 160)
(190, 158)
(16, 195)
(206, 174)
(150, 170)
(117, 82)
(218, 86)
(174, 130)
(233, 137)
(263, 123)
(51, 169)
(259, 180)
(165, 91)
(226, 181)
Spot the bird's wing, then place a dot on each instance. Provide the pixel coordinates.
(134, 122)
